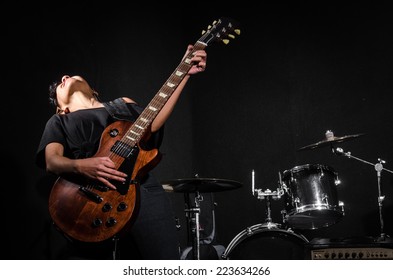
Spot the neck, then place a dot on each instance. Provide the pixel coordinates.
(79, 102)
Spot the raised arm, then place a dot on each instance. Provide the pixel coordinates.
(199, 65)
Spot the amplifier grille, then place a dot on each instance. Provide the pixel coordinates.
(352, 253)
(350, 248)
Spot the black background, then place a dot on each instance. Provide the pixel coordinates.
(294, 72)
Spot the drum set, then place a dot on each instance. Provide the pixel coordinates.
(309, 193)
(310, 200)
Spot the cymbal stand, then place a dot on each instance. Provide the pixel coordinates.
(193, 219)
(268, 194)
(378, 168)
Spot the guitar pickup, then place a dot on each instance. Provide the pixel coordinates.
(91, 195)
(124, 150)
(101, 188)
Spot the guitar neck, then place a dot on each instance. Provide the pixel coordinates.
(137, 130)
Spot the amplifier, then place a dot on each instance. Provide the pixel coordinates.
(366, 248)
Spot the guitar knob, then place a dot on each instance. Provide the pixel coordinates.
(114, 132)
(111, 222)
(107, 206)
(122, 206)
(97, 222)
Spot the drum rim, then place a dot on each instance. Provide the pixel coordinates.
(318, 207)
(309, 166)
(257, 228)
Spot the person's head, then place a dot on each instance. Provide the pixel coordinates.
(61, 93)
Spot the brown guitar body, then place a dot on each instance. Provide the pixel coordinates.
(90, 212)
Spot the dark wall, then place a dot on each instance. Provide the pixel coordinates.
(293, 73)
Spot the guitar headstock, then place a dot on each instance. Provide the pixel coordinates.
(222, 30)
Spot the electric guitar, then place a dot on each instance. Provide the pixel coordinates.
(88, 211)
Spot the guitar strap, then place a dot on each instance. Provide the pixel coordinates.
(119, 110)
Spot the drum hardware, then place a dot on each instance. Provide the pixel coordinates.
(192, 215)
(268, 195)
(378, 168)
(197, 186)
(282, 243)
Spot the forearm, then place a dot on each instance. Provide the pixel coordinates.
(166, 111)
(61, 165)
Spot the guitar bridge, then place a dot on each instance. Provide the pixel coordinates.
(101, 188)
(91, 195)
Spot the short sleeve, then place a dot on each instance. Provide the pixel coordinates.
(53, 132)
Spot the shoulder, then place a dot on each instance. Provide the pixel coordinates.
(53, 120)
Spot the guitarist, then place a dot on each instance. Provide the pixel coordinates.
(70, 139)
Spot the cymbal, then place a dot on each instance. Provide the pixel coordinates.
(330, 139)
(189, 185)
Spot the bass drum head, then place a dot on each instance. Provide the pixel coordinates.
(261, 243)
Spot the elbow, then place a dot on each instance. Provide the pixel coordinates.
(50, 168)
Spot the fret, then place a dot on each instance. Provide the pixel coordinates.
(179, 73)
(171, 85)
(129, 137)
(152, 108)
(163, 95)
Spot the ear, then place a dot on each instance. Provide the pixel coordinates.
(66, 110)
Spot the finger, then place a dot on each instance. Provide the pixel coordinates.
(107, 183)
(113, 171)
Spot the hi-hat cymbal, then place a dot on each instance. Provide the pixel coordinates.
(190, 185)
(330, 139)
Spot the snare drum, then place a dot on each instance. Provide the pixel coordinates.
(260, 242)
(310, 197)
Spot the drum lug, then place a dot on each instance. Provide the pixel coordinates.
(341, 205)
(297, 202)
(284, 216)
(325, 199)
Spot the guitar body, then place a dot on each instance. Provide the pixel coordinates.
(90, 212)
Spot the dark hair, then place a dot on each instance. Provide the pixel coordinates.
(52, 93)
(53, 96)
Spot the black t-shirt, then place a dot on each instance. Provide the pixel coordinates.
(80, 132)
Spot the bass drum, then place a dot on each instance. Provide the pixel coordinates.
(260, 242)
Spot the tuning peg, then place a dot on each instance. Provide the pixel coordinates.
(214, 22)
(225, 41)
(209, 27)
(237, 31)
(203, 32)
(231, 36)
